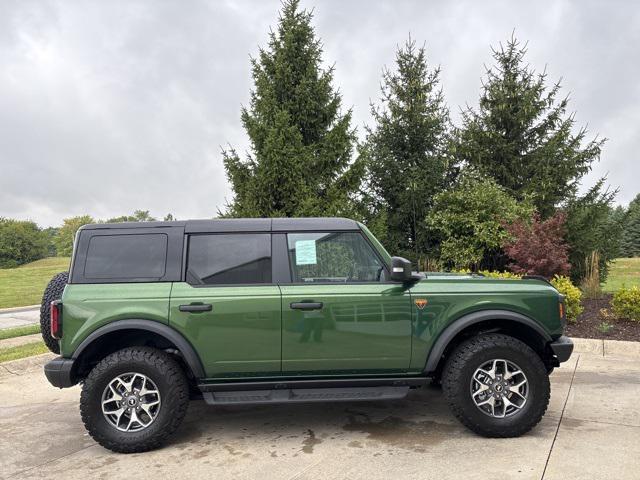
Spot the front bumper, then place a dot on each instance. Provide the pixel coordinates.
(562, 348)
(59, 372)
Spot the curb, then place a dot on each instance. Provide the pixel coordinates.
(604, 348)
(19, 309)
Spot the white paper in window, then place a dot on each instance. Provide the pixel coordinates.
(306, 252)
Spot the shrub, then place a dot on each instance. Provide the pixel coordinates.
(572, 296)
(537, 247)
(470, 219)
(626, 303)
(494, 274)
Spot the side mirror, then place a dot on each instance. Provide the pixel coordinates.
(400, 269)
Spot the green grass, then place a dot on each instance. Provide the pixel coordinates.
(623, 271)
(24, 285)
(22, 351)
(19, 331)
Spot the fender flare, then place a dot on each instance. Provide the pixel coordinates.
(469, 319)
(186, 349)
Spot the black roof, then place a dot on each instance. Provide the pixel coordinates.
(222, 225)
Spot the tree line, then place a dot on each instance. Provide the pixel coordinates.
(499, 190)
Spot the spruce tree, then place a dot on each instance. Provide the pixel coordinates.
(521, 134)
(631, 235)
(405, 151)
(299, 162)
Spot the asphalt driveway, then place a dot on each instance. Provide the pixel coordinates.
(592, 430)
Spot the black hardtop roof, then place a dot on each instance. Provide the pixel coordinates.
(229, 225)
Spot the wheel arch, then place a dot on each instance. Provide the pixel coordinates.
(131, 332)
(515, 324)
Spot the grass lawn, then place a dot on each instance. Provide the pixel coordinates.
(22, 351)
(24, 285)
(19, 331)
(623, 271)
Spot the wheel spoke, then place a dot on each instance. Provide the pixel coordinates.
(499, 388)
(130, 402)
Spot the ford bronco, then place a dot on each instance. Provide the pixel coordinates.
(258, 311)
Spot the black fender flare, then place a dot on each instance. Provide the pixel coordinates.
(469, 319)
(186, 349)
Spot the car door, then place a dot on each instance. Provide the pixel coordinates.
(340, 315)
(228, 308)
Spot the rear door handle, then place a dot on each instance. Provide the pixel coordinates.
(306, 305)
(196, 307)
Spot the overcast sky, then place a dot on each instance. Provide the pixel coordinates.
(108, 107)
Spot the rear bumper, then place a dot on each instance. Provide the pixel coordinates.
(562, 348)
(58, 372)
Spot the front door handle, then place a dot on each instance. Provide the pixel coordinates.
(306, 305)
(196, 307)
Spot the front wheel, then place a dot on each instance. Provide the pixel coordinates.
(134, 399)
(496, 385)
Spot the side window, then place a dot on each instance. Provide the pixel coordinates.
(126, 257)
(220, 259)
(333, 257)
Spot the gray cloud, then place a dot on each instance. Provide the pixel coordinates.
(110, 107)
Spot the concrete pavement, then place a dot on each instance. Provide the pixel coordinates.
(591, 430)
(19, 317)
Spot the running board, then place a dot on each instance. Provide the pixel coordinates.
(303, 395)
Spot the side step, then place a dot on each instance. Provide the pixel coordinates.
(300, 395)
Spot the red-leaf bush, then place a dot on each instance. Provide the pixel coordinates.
(537, 247)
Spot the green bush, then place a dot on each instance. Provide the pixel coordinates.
(626, 303)
(572, 296)
(20, 242)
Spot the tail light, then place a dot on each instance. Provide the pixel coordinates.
(56, 319)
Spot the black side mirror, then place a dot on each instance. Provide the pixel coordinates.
(400, 269)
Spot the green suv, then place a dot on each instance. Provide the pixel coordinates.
(256, 311)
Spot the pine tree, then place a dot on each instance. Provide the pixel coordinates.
(521, 135)
(301, 144)
(631, 235)
(405, 151)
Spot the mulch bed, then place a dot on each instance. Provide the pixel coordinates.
(587, 325)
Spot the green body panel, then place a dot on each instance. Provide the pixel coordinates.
(90, 306)
(361, 329)
(240, 336)
(451, 297)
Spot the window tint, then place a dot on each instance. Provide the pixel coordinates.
(122, 257)
(229, 259)
(333, 257)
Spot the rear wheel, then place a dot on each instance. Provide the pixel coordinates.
(52, 292)
(496, 385)
(134, 399)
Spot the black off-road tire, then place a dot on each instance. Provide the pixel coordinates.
(470, 355)
(167, 375)
(52, 292)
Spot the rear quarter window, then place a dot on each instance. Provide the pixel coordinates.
(126, 257)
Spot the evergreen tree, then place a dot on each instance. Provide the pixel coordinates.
(631, 235)
(592, 226)
(405, 151)
(521, 135)
(301, 144)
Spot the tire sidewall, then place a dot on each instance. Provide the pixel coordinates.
(100, 426)
(537, 379)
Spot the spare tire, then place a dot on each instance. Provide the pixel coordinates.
(52, 292)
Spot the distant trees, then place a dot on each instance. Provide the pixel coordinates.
(138, 216)
(21, 241)
(300, 163)
(67, 233)
(406, 152)
(630, 243)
